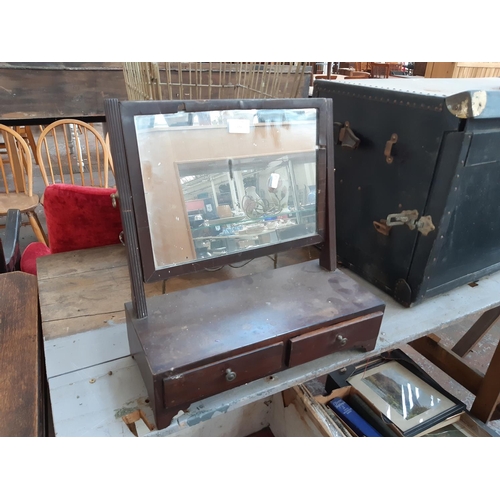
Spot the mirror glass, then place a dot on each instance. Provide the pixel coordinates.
(224, 182)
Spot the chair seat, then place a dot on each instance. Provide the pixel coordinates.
(21, 201)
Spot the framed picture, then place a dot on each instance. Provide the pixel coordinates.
(451, 430)
(404, 398)
(465, 426)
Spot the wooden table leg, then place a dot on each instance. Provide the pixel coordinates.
(31, 142)
(329, 70)
(449, 362)
(486, 387)
(488, 394)
(37, 228)
(476, 332)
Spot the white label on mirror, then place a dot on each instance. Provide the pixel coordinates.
(238, 126)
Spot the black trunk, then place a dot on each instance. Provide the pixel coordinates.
(425, 145)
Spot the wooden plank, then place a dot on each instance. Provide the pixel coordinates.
(70, 263)
(242, 422)
(478, 65)
(82, 350)
(91, 402)
(449, 362)
(440, 70)
(420, 68)
(487, 397)
(433, 314)
(477, 72)
(310, 410)
(103, 292)
(21, 404)
(71, 326)
(38, 95)
(86, 290)
(294, 419)
(428, 69)
(462, 69)
(476, 332)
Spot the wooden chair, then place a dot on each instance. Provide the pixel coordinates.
(380, 70)
(16, 171)
(26, 133)
(395, 66)
(111, 165)
(73, 152)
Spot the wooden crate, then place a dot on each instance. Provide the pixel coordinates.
(462, 69)
(319, 422)
(217, 80)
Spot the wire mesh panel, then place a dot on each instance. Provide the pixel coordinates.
(217, 80)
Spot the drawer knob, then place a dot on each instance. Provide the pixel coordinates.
(342, 340)
(230, 375)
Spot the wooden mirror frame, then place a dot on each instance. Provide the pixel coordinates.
(125, 152)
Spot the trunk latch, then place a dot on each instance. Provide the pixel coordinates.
(347, 138)
(406, 217)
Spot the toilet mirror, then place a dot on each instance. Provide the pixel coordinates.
(226, 182)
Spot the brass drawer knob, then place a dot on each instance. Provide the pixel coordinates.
(342, 340)
(230, 375)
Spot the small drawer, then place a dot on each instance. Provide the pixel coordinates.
(359, 332)
(214, 378)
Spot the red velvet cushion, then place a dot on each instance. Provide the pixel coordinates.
(30, 254)
(80, 217)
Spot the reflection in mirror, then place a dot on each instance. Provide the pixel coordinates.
(223, 182)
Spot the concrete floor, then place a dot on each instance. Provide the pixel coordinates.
(479, 358)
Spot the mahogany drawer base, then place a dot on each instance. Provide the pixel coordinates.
(210, 339)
